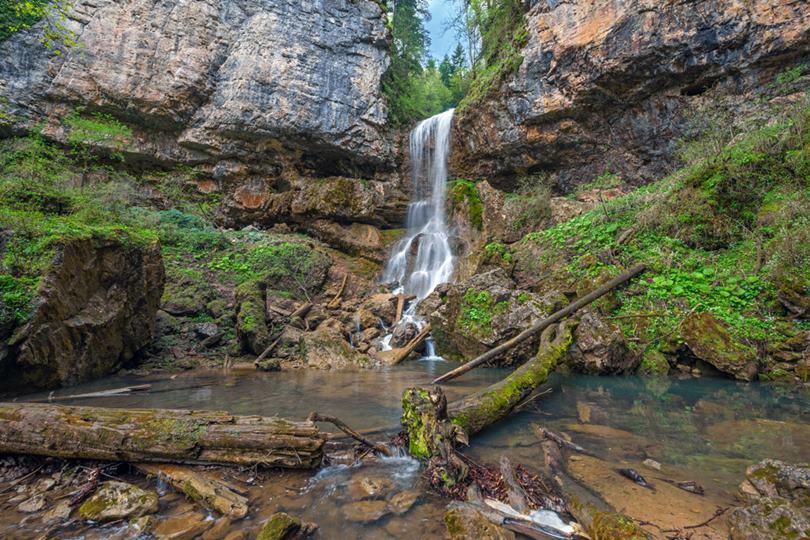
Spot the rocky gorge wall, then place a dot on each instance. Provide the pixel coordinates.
(260, 97)
(608, 85)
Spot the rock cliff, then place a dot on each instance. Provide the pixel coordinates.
(607, 85)
(95, 310)
(259, 96)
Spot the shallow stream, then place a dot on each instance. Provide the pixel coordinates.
(706, 430)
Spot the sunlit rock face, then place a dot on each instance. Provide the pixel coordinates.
(611, 84)
(259, 81)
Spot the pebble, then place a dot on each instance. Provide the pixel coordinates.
(33, 504)
(652, 464)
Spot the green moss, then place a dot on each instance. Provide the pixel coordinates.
(477, 309)
(412, 419)
(654, 363)
(279, 527)
(463, 193)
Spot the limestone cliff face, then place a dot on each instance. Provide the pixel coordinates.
(605, 84)
(94, 311)
(258, 81)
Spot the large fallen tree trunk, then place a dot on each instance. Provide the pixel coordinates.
(158, 435)
(478, 410)
(570, 309)
(434, 429)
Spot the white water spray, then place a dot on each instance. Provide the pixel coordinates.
(422, 260)
(421, 272)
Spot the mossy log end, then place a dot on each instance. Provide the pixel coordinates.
(434, 429)
(158, 435)
(477, 411)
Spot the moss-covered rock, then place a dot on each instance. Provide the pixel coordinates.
(251, 320)
(779, 503)
(119, 500)
(282, 526)
(710, 340)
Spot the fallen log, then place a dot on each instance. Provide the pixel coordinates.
(487, 406)
(542, 325)
(158, 435)
(206, 491)
(103, 393)
(266, 352)
(395, 356)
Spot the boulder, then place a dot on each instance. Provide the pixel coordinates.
(118, 500)
(710, 340)
(94, 311)
(326, 348)
(777, 494)
(472, 316)
(599, 347)
(466, 523)
(282, 526)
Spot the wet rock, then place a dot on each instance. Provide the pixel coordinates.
(403, 501)
(269, 364)
(118, 500)
(777, 494)
(142, 525)
(710, 340)
(32, 504)
(365, 511)
(186, 526)
(326, 348)
(95, 310)
(383, 307)
(218, 530)
(283, 526)
(403, 334)
(365, 319)
(465, 523)
(369, 488)
(58, 513)
(599, 348)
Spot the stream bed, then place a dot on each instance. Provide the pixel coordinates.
(707, 430)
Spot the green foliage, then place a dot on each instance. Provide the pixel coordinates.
(88, 133)
(791, 75)
(729, 233)
(18, 15)
(497, 249)
(477, 310)
(607, 180)
(503, 31)
(463, 192)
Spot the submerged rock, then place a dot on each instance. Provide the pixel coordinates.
(118, 500)
(403, 501)
(365, 511)
(710, 340)
(779, 502)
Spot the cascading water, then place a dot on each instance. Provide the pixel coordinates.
(422, 260)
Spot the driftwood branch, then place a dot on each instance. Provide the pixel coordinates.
(543, 433)
(103, 393)
(202, 489)
(315, 417)
(266, 352)
(334, 303)
(158, 435)
(542, 325)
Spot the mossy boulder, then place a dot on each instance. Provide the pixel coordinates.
(282, 526)
(466, 523)
(778, 494)
(599, 347)
(654, 362)
(119, 500)
(472, 316)
(251, 320)
(710, 340)
(93, 311)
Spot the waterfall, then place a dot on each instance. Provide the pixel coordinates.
(422, 260)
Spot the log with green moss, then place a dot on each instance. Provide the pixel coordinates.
(434, 428)
(158, 435)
